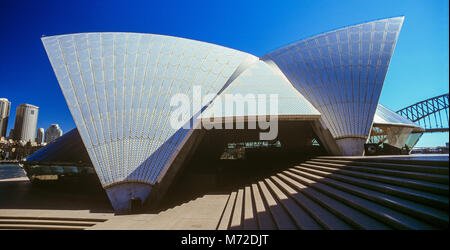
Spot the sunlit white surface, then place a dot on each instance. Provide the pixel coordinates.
(261, 79)
(386, 116)
(342, 73)
(118, 88)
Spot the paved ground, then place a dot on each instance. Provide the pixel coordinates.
(20, 194)
(202, 213)
(20, 199)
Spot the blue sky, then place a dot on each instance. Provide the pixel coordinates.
(418, 70)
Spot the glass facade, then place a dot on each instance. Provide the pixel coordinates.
(395, 136)
(392, 133)
(342, 72)
(118, 88)
(389, 138)
(68, 148)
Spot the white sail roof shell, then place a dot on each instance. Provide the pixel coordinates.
(118, 88)
(342, 72)
(385, 116)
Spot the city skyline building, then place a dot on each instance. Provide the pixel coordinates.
(5, 107)
(52, 133)
(25, 124)
(11, 134)
(40, 136)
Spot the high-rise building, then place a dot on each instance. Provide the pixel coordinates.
(5, 107)
(52, 133)
(40, 136)
(11, 134)
(26, 122)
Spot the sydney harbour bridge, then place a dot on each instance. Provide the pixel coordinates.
(431, 114)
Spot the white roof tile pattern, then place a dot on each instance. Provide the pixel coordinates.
(118, 88)
(342, 72)
(262, 78)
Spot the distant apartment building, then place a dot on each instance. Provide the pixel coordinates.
(40, 136)
(52, 133)
(5, 107)
(26, 122)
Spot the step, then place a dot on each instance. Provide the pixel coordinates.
(393, 166)
(265, 220)
(433, 200)
(39, 227)
(325, 218)
(226, 216)
(236, 219)
(279, 215)
(381, 213)
(300, 217)
(250, 222)
(350, 215)
(435, 178)
(2, 217)
(391, 160)
(422, 212)
(415, 184)
(46, 222)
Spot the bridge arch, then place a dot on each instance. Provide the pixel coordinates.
(431, 114)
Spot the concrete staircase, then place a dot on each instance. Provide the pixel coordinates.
(200, 213)
(47, 223)
(344, 193)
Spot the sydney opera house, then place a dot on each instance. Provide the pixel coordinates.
(119, 87)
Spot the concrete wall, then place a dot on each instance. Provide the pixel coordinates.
(352, 146)
(120, 195)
